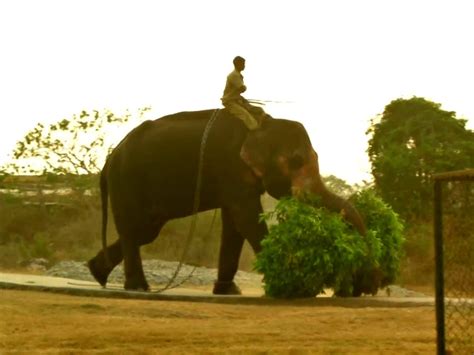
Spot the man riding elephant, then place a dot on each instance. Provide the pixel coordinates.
(252, 116)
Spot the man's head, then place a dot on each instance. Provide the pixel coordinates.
(239, 63)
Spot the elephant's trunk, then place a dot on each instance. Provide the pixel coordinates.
(309, 181)
(338, 204)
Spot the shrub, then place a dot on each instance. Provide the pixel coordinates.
(311, 249)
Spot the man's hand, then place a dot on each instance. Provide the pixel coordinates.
(242, 89)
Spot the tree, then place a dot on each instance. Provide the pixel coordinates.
(413, 139)
(341, 187)
(75, 146)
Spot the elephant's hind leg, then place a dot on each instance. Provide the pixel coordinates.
(100, 268)
(133, 268)
(131, 242)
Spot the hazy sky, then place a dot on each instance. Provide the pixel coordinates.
(337, 62)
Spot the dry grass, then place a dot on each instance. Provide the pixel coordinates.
(35, 322)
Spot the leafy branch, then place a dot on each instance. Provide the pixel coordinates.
(71, 146)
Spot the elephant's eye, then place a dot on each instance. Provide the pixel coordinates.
(295, 162)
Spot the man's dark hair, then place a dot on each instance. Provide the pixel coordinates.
(238, 59)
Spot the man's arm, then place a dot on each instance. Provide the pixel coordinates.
(238, 83)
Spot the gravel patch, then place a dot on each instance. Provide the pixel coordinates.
(156, 271)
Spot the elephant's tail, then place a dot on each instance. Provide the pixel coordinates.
(104, 194)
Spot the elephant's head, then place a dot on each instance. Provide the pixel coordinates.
(281, 154)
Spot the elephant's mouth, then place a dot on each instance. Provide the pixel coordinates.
(278, 187)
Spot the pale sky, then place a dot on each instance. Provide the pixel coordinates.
(338, 63)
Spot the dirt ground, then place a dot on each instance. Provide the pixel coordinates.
(34, 322)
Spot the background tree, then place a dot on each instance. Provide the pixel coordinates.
(75, 146)
(341, 187)
(413, 139)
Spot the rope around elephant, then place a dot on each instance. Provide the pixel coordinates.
(197, 201)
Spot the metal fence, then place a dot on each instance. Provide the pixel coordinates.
(454, 251)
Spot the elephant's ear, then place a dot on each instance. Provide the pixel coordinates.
(255, 151)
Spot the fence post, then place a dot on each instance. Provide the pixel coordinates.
(439, 279)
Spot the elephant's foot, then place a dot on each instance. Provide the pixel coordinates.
(226, 288)
(98, 272)
(136, 285)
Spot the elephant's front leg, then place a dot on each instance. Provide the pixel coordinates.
(239, 222)
(231, 247)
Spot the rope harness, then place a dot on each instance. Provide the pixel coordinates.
(197, 201)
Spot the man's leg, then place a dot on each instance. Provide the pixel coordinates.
(257, 112)
(241, 113)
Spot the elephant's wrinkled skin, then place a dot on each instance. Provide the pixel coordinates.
(151, 177)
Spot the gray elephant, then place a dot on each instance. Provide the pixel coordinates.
(151, 178)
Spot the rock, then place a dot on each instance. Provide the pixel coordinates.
(36, 264)
(397, 291)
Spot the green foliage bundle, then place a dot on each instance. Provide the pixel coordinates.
(385, 237)
(311, 249)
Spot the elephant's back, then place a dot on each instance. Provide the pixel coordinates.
(187, 117)
(172, 143)
(170, 130)
(158, 160)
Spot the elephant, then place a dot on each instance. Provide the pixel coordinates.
(150, 178)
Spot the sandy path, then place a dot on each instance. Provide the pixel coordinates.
(34, 322)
